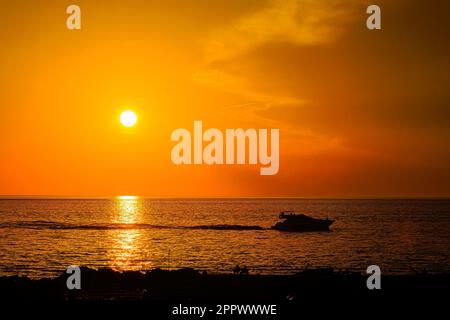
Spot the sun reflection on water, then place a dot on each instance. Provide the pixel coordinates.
(128, 210)
(126, 251)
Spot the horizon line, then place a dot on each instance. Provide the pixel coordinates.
(105, 197)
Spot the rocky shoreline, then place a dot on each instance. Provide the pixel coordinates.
(191, 285)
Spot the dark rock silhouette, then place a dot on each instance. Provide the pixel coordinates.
(187, 283)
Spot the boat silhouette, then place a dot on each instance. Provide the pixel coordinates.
(301, 223)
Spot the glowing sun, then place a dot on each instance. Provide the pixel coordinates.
(128, 118)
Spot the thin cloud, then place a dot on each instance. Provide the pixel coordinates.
(302, 22)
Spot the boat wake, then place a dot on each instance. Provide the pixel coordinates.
(117, 226)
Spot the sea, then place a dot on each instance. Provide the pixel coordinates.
(40, 238)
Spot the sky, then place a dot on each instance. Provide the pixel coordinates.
(361, 113)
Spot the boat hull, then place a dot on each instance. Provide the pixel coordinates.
(303, 226)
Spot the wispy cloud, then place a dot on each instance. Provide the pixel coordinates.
(303, 22)
(299, 22)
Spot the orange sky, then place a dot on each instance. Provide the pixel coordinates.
(361, 113)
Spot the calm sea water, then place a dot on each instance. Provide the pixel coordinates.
(40, 238)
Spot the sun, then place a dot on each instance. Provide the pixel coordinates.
(128, 118)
